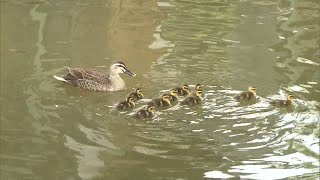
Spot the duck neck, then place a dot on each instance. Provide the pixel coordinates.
(168, 101)
(254, 93)
(132, 103)
(117, 81)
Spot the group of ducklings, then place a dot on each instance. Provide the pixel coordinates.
(165, 100)
(191, 98)
(252, 94)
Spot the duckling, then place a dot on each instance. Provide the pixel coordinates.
(250, 94)
(137, 94)
(283, 103)
(183, 90)
(145, 113)
(194, 98)
(173, 94)
(161, 102)
(93, 79)
(126, 105)
(198, 87)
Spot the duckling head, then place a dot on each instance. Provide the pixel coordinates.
(118, 67)
(139, 91)
(166, 98)
(199, 93)
(130, 100)
(291, 97)
(150, 108)
(253, 90)
(185, 87)
(199, 87)
(173, 92)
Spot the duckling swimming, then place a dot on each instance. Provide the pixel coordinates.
(161, 102)
(183, 90)
(137, 94)
(283, 103)
(145, 113)
(93, 79)
(194, 98)
(173, 94)
(245, 96)
(126, 105)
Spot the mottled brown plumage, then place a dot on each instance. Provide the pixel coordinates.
(145, 112)
(93, 79)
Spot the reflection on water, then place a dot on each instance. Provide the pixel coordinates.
(53, 131)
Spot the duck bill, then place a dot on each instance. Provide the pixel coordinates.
(128, 72)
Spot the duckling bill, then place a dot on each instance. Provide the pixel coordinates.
(283, 103)
(137, 94)
(248, 95)
(93, 79)
(193, 99)
(161, 102)
(145, 113)
(126, 105)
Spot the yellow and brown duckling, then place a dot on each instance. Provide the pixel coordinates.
(248, 95)
(183, 90)
(126, 105)
(137, 94)
(173, 94)
(198, 87)
(145, 112)
(283, 103)
(194, 98)
(161, 102)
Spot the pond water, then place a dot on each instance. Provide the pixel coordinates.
(50, 130)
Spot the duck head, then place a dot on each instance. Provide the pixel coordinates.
(291, 97)
(199, 87)
(199, 93)
(185, 87)
(173, 92)
(150, 108)
(118, 67)
(130, 100)
(139, 92)
(253, 90)
(166, 98)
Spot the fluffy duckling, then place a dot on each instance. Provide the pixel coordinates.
(126, 105)
(137, 94)
(161, 102)
(248, 95)
(173, 94)
(145, 113)
(283, 103)
(183, 90)
(194, 98)
(198, 87)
